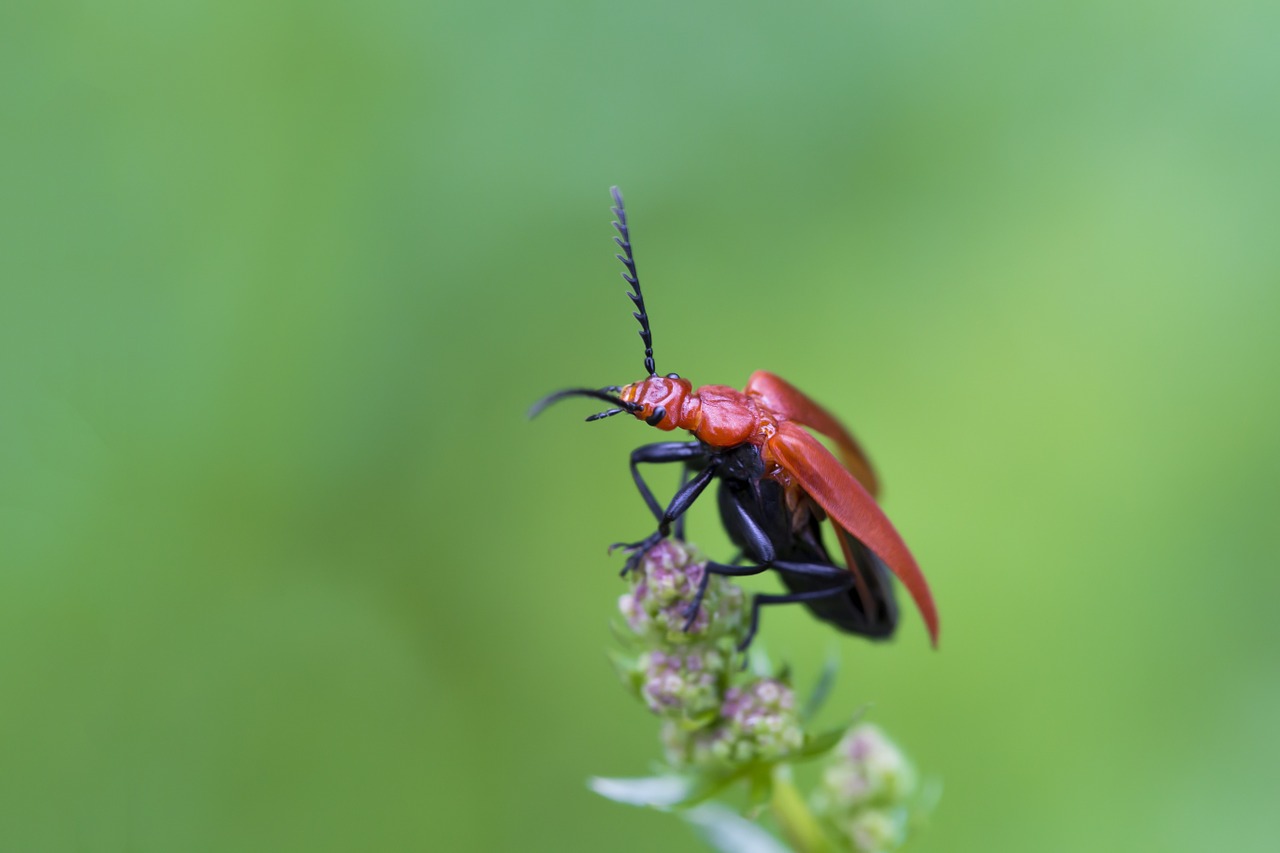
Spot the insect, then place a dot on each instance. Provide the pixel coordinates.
(777, 484)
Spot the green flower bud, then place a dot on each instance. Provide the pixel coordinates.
(865, 789)
(868, 769)
(877, 831)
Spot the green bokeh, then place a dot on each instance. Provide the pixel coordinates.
(285, 568)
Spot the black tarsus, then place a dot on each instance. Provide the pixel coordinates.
(630, 277)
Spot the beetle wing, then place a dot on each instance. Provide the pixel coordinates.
(793, 404)
(852, 508)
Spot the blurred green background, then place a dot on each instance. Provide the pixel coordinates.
(286, 568)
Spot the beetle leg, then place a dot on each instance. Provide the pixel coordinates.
(635, 551)
(843, 585)
(679, 504)
(841, 580)
(687, 494)
(712, 568)
(679, 525)
(691, 612)
(760, 549)
(663, 451)
(763, 553)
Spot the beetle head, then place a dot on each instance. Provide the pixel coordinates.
(659, 400)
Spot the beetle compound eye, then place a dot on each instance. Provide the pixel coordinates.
(657, 416)
(673, 375)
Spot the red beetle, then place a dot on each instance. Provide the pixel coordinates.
(777, 483)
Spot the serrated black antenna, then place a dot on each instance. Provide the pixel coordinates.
(630, 277)
(602, 394)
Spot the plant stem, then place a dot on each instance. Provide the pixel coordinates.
(794, 818)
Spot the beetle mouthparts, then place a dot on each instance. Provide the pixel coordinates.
(599, 416)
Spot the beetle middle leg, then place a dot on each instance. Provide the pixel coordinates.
(841, 586)
(837, 580)
(740, 516)
(678, 528)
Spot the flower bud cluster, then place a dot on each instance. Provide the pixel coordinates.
(666, 585)
(865, 790)
(720, 725)
(684, 683)
(686, 677)
(748, 729)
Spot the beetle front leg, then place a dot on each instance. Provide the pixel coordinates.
(683, 499)
(663, 451)
(679, 525)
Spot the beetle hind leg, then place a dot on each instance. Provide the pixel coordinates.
(842, 585)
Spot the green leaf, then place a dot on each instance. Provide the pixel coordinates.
(925, 804)
(623, 634)
(758, 661)
(708, 785)
(659, 792)
(729, 832)
(665, 792)
(816, 745)
(625, 667)
(821, 690)
(760, 779)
